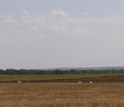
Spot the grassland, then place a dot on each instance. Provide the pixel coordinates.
(60, 94)
(53, 76)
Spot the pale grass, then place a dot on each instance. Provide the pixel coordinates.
(62, 95)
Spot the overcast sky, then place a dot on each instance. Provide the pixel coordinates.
(36, 34)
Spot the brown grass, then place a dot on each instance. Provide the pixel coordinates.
(62, 95)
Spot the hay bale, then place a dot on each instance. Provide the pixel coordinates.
(90, 82)
(19, 82)
(79, 82)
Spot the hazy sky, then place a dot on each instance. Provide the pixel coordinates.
(36, 34)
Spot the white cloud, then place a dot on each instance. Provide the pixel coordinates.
(8, 19)
(25, 14)
(59, 24)
(58, 36)
(85, 14)
(59, 13)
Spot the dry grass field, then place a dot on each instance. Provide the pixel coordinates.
(60, 94)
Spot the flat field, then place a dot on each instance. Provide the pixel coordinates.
(59, 76)
(61, 94)
(53, 76)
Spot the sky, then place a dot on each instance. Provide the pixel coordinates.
(38, 34)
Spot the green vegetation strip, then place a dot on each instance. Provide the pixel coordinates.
(53, 76)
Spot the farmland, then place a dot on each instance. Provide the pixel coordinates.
(55, 76)
(62, 94)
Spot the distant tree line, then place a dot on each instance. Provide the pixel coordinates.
(40, 72)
